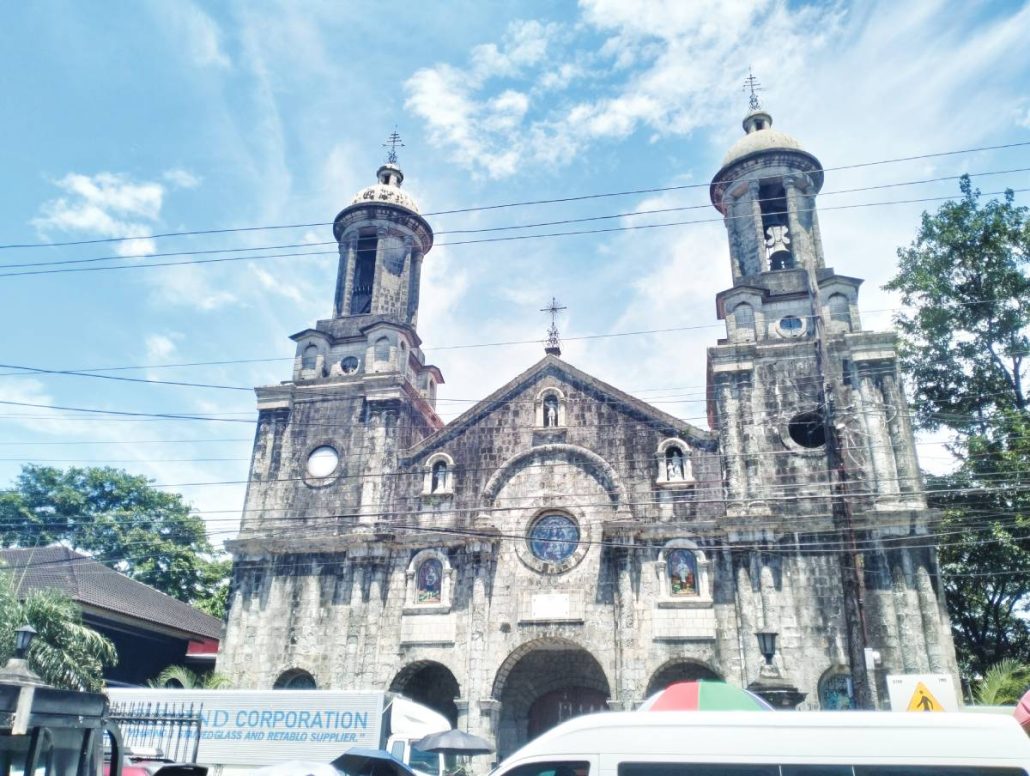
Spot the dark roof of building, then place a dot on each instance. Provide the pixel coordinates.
(93, 584)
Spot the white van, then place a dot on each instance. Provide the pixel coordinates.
(747, 743)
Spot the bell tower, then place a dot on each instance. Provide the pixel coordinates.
(382, 239)
(814, 434)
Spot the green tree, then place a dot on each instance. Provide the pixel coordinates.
(964, 325)
(122, 520)
(1004, 683)
(65, 652)
(180, 677)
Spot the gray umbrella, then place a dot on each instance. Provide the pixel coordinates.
(454, 742)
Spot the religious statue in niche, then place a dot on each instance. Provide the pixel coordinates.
(675, 466)
(550, 410)
(429, 582)
(439, 477)
(682, 568)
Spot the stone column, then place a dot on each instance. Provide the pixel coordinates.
(756, 213)
(345, 281)
(415, 285)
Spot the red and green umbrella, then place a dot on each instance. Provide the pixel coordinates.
(1022, 712)
(704, 695)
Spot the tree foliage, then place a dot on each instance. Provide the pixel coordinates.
(964, 324)
(65, 652)
(180, 677)
(123, 521)
(1004, 683)
(966, 312)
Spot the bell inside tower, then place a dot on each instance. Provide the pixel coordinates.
(364, 274)
(773, 204)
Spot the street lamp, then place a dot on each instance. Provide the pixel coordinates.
(23, 637)
(767, 645)
(17, 671)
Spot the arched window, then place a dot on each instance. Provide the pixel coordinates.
(295, 679)
(309, 358)
(840, 310)
(382, 350)
(684, 579)
(429, 582)
(836, 691)
(743, 322)
(438, 477)
(681, 566)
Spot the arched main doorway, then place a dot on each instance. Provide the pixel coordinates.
(678, 671)
(431, 684)
(543, 683)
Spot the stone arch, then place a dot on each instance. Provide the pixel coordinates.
(438, 474)
(674, 464)
(309, 357)
(295, 679)
(549, 408)
(543, 682)
(836, 691)
(430, 683)
(588, 460)
(678, 669)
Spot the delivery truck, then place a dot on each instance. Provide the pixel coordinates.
(245, 729)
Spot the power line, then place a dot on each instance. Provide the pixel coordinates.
(627, 214)
(629, 192)
(574, 233)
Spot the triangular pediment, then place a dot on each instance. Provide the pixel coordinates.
(562, 370)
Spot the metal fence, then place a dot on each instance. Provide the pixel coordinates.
(160, 729)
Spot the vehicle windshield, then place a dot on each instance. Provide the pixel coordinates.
(426, 762)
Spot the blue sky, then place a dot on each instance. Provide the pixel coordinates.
(126, 119)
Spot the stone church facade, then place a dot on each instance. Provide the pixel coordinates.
(564, 547)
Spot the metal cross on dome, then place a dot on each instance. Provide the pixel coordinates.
(393, 142)
(552, 346)
(751, 83)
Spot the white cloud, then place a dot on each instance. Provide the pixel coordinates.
(277, 285)
(104, 205)
(182, 179)
(188, 286)
(663, 67)
(161, 347)
(196, 33)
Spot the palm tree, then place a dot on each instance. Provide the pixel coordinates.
(1004, 683)
(182, 678)
(65, 653)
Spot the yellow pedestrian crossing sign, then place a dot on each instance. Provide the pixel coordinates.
(923, 700)
(922, 692)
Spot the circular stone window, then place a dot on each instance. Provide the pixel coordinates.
(791, 326)
(553, 538)
(349, 365)
(808, 429)
(322, 461)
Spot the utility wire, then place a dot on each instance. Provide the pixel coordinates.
(630, 192)
(574, 233)
(627, 214)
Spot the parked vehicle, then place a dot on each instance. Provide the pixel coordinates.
(730, 743)
(245, 729)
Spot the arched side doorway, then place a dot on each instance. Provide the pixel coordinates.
(542, 684)
(678, 671)
(431, 684)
